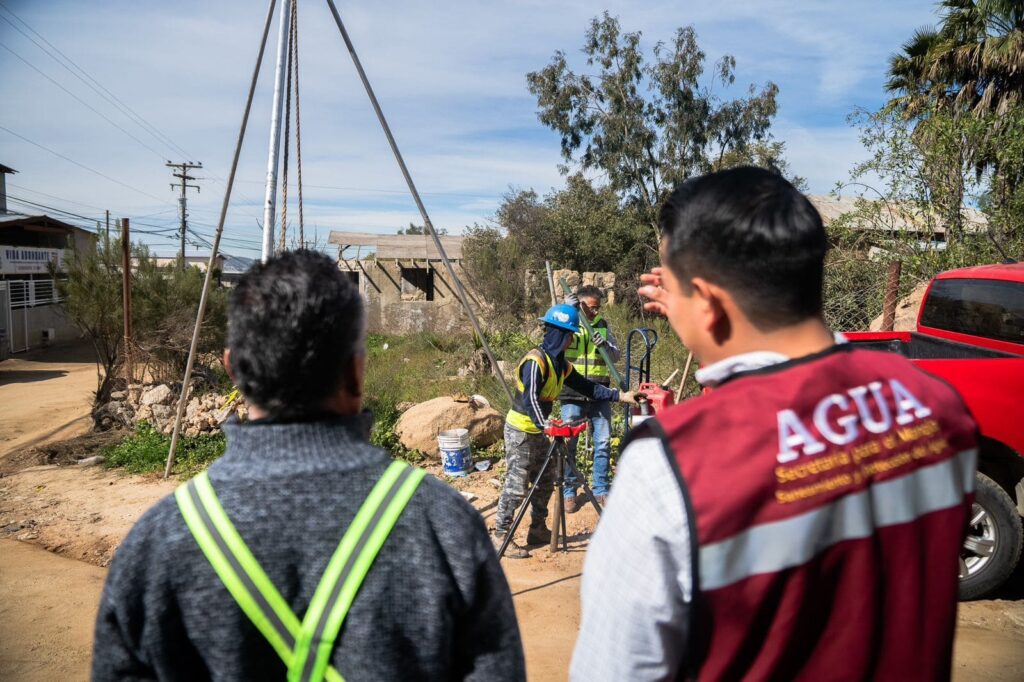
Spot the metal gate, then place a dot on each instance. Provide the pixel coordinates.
(5, 321)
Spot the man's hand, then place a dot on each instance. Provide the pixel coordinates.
(570, 299)
(631, 397)
(654, 291)
(599, 340)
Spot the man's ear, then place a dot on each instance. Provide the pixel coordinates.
(356, 375)
(714, 306)
(227, 365)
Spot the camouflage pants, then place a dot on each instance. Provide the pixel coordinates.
(524, 454)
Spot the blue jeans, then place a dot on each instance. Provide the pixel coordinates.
(600, 416)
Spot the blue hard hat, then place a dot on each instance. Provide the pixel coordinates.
(563, 316)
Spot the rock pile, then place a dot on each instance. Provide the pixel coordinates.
(157, 405)
(536, 283)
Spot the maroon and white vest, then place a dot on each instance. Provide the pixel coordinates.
(828, 498)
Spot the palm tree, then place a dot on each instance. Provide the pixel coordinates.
(973, 64)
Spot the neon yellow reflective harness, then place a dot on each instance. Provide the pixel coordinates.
(304, 646)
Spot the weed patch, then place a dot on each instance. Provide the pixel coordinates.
(145, 451)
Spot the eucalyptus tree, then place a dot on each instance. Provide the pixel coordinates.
(644, 121)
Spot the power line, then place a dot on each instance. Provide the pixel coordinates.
(109, 96)
(80, 165)
(91, 82)
(80, 100)
(51, 196)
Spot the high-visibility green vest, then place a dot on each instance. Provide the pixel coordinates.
(304, 646)
(583, 353)
(517, 416)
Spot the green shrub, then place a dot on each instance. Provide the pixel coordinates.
(145, 451)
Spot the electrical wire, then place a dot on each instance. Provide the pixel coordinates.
(105, 93)
(80, 100)
(91, 82)
(81, 165)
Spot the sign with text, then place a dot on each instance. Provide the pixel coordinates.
(29, 260)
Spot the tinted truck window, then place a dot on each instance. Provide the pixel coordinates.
(987, 308)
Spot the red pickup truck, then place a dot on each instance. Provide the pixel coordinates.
(970, 332)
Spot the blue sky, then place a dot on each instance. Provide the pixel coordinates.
(450, 78)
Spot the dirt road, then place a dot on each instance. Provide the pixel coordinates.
(47, 608)
(48, 599)
(45, 395)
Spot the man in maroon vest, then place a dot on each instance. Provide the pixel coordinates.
(803, 519)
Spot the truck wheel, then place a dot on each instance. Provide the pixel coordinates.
(994, 538)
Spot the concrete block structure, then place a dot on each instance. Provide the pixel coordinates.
(404, 282)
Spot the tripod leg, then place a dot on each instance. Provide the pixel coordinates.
(526, 502)
(558, 448)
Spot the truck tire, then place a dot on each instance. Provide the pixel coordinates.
(993, 545)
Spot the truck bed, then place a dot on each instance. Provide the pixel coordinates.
(921, 347)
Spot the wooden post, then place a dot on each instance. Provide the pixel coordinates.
(686, 374)
(551, 282)
(892, 292)
(126, 296)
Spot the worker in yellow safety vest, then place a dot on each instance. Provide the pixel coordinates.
(540, 378)
(585, 355)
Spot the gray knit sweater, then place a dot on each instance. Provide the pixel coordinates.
(435, 605)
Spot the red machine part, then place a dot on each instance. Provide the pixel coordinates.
(556, 428)
(658, 398)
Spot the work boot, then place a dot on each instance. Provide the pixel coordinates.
(513, 551)
(572, 504)
(539, 534)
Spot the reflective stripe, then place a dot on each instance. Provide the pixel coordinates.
(517, 415)
(279, 628)
(348, 568)
(588, 360)
(776, 546)
(305, 648)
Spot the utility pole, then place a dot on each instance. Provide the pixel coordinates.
(184, 177)
(126, 296)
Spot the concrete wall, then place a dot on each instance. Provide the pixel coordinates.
(39, 318)
(397, 305)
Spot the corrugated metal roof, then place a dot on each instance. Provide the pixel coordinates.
(901, 217)
(17, 219)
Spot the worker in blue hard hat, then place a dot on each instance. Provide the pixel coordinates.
(540, 376)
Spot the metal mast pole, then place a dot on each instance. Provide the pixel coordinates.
(216, 245)
(269, 203)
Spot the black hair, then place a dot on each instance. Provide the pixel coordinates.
(590, 291)
(294, 324)
(754, 234)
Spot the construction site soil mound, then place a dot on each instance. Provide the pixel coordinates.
(418, 427)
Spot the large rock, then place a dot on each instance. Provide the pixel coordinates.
(113, 415)
(418, 427)
(160, 394)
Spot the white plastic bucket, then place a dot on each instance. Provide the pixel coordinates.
(456, 457)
